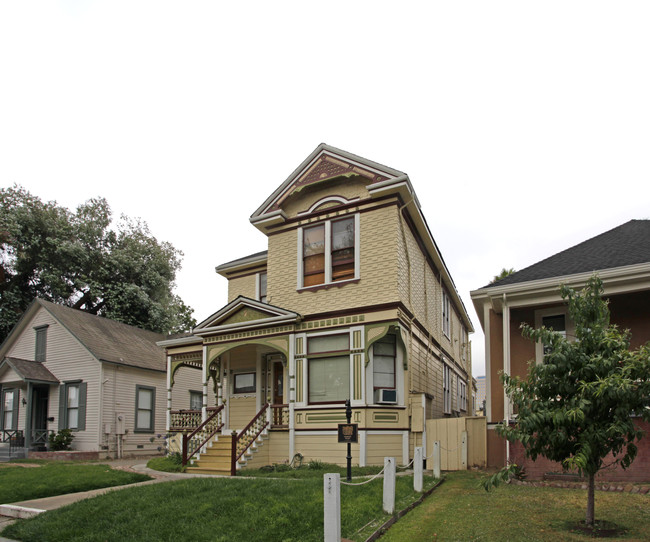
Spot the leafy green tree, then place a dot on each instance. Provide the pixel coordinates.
(504, 273)
(578, 406)
(78, 259)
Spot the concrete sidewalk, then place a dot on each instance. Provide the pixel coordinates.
(19, 510)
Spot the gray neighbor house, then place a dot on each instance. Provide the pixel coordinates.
(104, 380)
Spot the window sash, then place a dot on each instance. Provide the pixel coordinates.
(342, 249)
(446, 388)
(72, 406)
(244, 383)
(263, 282)
(329, 379)
(8, 409)
(196, 400)
(144, 409)
(328, 343)
(384, 353)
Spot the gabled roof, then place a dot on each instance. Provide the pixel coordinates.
(30, 371)
(323, 164)
(107, 340)
(627, 244)
(244, 312)
(250, 261)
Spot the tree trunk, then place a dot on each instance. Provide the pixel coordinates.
(589, 520)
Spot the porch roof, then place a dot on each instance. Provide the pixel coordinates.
(30, 371)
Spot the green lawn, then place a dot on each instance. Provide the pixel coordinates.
(46, 479)
(215, 509)
(459, 510)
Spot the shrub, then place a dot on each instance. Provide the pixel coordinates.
(61, 440)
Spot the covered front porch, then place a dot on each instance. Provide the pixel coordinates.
(27, 387)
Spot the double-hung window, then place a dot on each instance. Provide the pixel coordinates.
(461, 390)
(196, 400)
(9, 409)
(261, 287)
(329, 368)
(383, 362)
(446, 307)
(446, 388)
(72, 406)
(329, 252)
(145, 403)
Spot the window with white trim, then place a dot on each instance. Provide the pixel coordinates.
(557, 323)
(41, 343)
(9, 409)
(384, 353)
(446, 389)
(196, 400)
(446, 308)
(328, 368)
(461, 390)
(329, 252)
(554, 318)
(72, 405)
(261, 286)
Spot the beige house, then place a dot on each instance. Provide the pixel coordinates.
(65, 368)
(351, 301)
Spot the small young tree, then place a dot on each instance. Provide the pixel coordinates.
(578, 406)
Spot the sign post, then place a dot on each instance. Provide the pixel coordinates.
(348, 432)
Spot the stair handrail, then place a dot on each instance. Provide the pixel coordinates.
(187, 438)
(237, 437)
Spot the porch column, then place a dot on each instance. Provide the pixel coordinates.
(292, 397)
(204, 408)
(220, 384)
(505, 318)
(168, 416)
(28, 416)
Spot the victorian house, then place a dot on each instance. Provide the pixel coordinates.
(351, 301)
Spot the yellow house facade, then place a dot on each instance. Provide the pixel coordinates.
(351, 301)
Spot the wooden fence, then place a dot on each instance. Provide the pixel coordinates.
(463, 441)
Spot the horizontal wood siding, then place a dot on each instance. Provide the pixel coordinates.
(379, 446)
(242, 411)
(186, 379)
(325, 448)
(68, 360)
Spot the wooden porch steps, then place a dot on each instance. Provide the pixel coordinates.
(216, 459)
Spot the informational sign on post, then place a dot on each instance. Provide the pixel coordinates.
(349, 432)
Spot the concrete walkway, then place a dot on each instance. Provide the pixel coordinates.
(19, 510)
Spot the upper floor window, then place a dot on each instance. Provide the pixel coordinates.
(464, 343)
(446, 388)
(41, 343)
(330, 252)
(446, 309)
(261, 287)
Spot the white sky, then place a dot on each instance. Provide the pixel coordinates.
(524, 126)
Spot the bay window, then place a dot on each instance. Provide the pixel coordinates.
(383, 362)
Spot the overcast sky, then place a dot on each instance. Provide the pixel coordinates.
(524, 126)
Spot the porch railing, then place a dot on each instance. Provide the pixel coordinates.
(243, 441)
(186, 420)
(279, 416)
(15, 438)
(40, 437)
(195, 440)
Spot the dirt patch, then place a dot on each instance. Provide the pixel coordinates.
(600, 529)
(25, 465)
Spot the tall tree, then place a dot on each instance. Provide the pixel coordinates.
(78, 259)
(578, 406)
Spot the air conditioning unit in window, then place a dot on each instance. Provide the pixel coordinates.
(384, 396)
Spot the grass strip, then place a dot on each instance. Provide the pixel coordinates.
(57, 478)
(215, 509)
(461, 510)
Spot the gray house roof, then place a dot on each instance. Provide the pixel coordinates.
(30, 371)
(627, 244)
(107, 340)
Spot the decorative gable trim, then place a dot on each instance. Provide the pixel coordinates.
(324, 164)
(242, 313)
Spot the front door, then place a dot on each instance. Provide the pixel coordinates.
(39, 415)
(278, 383)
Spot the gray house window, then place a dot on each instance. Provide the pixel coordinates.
(145, 401)
(72, 406)
(41, 343)
(196, 400)
(9, 409)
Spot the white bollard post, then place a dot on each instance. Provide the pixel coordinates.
(463, 450)
(389, 485)
(332, 507)
(436, 459)
(417, 469)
